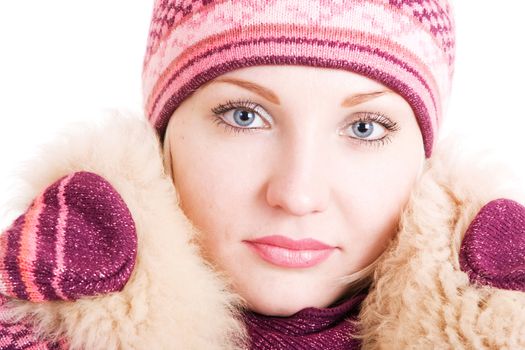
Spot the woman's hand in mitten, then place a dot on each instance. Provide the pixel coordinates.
(77, 239)
(493, 248)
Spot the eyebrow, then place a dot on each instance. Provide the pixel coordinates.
(357, 99)
(258, 89)
(269, 95)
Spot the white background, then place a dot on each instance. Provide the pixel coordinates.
(66, 60)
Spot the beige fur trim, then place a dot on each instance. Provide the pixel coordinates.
(420, 298)
(172, 300)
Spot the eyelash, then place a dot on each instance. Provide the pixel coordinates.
(383, 121)
(250, 106)
(222, 108)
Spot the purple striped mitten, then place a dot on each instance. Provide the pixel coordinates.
(20, 336)
(493, 249)
(76, 239)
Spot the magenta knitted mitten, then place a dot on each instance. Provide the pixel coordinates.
(76, 239)
(493, 249)
(21, 336)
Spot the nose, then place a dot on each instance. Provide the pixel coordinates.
(298, 184)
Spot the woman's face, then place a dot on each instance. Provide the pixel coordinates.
(296, 177)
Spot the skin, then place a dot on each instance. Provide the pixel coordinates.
(302, 170)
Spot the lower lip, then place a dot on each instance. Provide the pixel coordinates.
(290, 258)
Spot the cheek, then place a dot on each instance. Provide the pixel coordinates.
(195, 175)
(395, 173)
(374, 196)
(216, 183)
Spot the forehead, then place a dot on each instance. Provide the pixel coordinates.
(275, 80)
(302, 74)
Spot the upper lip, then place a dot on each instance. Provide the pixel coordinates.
(288, 243)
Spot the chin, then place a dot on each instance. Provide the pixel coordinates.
(274, 303)
(278, 310)
(276, 291)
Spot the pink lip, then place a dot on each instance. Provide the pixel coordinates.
(286, 252)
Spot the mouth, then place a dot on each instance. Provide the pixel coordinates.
(285, 252)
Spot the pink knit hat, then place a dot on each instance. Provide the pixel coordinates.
(407, 45)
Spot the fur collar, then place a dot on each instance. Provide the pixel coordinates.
(419, 299)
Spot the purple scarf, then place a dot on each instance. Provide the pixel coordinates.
(310, 328)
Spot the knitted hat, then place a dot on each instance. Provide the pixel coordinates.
(407, 45)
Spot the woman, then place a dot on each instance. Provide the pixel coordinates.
(263, 219)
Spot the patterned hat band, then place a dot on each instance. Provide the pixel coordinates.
(407, 45)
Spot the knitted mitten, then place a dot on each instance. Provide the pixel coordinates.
(76, 239)
(20, 336)
(493, 249)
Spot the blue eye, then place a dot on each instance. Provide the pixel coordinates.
(370, 129)
(240, 115)
(243, 118)
(364, 129)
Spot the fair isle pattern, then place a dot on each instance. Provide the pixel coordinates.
(168, 14)
(76, 239)
(436, 16)
(406, 45)
(20, 336)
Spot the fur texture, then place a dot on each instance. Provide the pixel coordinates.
(420, 298)
(173, 299)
